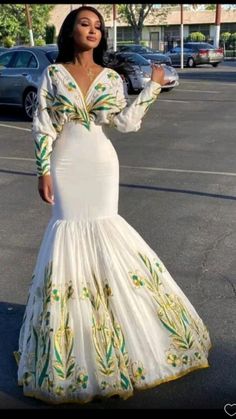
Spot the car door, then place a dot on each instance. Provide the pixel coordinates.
(20, 75)
(174, 54)
(6, 60)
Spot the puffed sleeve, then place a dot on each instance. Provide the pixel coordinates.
(129, 116)
(44, 132)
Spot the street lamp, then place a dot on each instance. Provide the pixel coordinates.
(217, 25)
(114, 27)
(181, 36)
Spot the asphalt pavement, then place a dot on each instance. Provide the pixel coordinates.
(178, 190)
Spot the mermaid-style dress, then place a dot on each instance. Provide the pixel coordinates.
(103, 314)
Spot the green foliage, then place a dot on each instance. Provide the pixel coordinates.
(210, 7)
(233, 37)
(50, 34)
(13, 21)
(8, 42)
(224, 36)
(39, 41)
(196, 37)
(145, 43)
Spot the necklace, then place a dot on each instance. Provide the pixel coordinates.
(90, 74)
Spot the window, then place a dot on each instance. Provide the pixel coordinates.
(172, 32)
(52, 55)
(204, 29)
(228, 27)
(25, 59)
(5, 59)
(135, 59)
(125, 34)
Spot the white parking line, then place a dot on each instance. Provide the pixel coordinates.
(158, 169)
(16, 158)
(208, 81)
(196, 91)
(161, 169)
(15, 127)
(175, 101)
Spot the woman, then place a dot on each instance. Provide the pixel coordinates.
(103, 316)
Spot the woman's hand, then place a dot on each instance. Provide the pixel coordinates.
(45, 189)
(158, 74)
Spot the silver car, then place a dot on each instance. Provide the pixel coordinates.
(20, 71)
(196, 53)
(137, 71)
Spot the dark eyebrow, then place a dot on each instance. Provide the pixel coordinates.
(87, 18)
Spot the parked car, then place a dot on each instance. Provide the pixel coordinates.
(196, 53)
(136, 70)
(20, 71)
(146, 52)
(3, 49)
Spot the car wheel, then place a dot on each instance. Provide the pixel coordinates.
(214, 64)
(191, 62)
(29, 103)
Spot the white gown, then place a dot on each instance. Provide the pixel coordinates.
(103, 315)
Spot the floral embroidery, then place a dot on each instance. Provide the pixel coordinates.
(188, 337)
(58, 344)
(108, 338)
(112, 75)
(137, 279)
(52, 69)
(71, 86)
(100, 87)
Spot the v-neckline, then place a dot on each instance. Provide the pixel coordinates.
(84, 96)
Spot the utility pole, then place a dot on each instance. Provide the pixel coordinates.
(217, 25)
(114, 27)
(29, 23)
(182, 36)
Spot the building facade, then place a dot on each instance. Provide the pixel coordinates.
(156, 33)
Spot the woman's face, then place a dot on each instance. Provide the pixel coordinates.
(87, 31)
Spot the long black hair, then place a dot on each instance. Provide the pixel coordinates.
(65, 38)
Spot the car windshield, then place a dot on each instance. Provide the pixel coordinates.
(134, 58)
(52, 55)
(200, 46)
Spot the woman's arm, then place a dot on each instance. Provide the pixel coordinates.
(44, 135)
(130, 117)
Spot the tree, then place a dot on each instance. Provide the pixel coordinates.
(225, 37)
(196, 37)
(13, 21)
(50, 34)
(135, 15)
(210, 7)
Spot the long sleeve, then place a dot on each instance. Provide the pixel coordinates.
(129, 118)
(43, 130)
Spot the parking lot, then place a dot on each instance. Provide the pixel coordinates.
(178, 190)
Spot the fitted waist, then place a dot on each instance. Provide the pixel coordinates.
(75, 130)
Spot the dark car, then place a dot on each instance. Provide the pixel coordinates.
(20, 71)
(3, 49)
(146, 52)
(196, 53)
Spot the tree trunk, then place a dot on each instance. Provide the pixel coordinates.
(137, 36)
